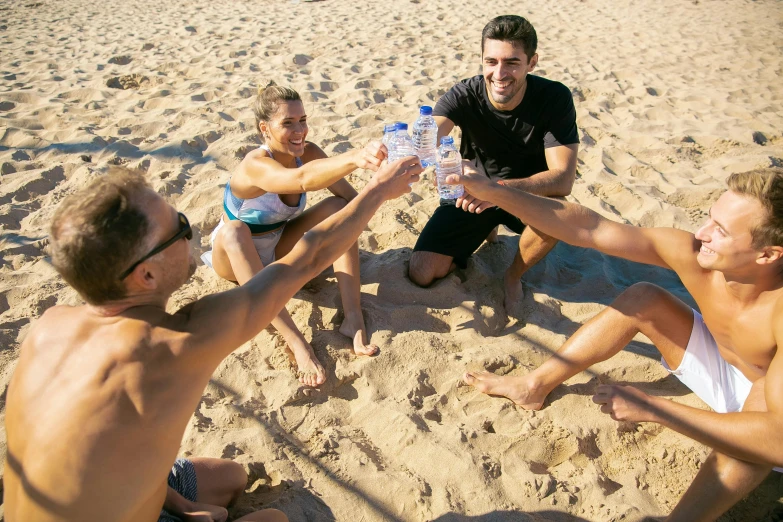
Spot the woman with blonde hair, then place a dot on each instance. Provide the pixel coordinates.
(264, 214)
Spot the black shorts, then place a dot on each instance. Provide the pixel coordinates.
(454, 232)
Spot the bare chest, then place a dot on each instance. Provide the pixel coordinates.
(744, 335)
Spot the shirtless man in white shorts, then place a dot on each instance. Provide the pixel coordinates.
(727, 354)
(102, 392)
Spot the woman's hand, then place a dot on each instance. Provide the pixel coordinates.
(370, 156)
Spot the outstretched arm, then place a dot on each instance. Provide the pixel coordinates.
(580, 226)
(221, 322)
(557, 180)
(269, 175)
(341, 187)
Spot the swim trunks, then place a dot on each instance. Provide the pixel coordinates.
(722, 386)
(182, 479)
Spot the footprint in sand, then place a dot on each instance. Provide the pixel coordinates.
(128, 81)
(121, 60)
(302, 59)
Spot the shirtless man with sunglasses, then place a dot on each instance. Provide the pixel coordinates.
(102, 392)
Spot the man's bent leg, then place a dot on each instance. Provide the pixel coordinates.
(448, 239)
(533, 247)
(220, 482)
(722, 480)
(643, 307)
(426, 267)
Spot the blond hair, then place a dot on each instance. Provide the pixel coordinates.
(267, 101)
(766, 186)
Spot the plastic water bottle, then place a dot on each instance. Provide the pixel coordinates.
(388, 133)
(425, 136)
(401, 144)
(449, 162)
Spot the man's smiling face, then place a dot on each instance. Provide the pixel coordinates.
(505, 67)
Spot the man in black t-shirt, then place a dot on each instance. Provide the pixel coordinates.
(518, 129)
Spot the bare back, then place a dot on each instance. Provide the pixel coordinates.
(86, 439)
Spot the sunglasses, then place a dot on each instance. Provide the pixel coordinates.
(184, 231)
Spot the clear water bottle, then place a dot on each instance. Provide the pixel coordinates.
(425, 136)
(388, 133)
(449, 162)
(401, 144)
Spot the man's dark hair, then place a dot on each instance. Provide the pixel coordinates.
(98, 232)
(514, 29)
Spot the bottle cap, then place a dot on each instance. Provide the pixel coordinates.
(402, 126)
(389, 127)
(425, 110)
(446, 140)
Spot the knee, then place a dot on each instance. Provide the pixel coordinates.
(420, 272)
(236, 479)
(544, 239)
(235, 233)
(644, 299)
(334, 204)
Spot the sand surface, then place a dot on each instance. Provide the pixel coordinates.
(671, 97)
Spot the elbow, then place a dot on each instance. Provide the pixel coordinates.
(560, 191)
(569, 178)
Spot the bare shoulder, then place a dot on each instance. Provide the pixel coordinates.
(256, 158)
(777, 314)
(678, 248)
(52, 321)
(312, 152)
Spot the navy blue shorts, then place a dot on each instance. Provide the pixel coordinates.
(454, 232)
(182, 479)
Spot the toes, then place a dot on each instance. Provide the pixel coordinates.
(469, 378)
(366, 350)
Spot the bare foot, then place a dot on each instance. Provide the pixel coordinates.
(513, 291)
(358, 333)
(493, 236)
(309, 369)
(515, 388)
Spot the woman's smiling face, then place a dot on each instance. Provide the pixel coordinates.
(287, 129)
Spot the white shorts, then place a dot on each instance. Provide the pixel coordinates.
(722, 386)
(265, 245)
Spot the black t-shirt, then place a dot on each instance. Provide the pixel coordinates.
(510, 144)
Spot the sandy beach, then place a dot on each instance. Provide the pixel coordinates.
(672, 96)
